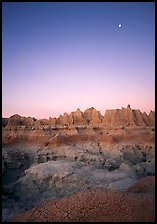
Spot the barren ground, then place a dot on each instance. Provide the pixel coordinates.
(82, 173)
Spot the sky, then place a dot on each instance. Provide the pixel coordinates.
(57, 57)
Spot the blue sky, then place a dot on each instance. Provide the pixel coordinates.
(57, 57)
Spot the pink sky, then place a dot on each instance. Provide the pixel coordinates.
(60, 57)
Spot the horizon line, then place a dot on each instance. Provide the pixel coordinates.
(75, 111)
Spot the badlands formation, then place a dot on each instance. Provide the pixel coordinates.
(81, 166)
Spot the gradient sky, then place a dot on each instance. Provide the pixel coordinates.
(57, 57)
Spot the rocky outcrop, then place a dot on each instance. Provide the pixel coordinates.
(146, 118)
(17, 120)
(66, 169)
(93, 116)
(75, 118)
(78, 118)
(66, 119)
(52, 121)
(126, 117)
(59, 169)
(139, 121)
(118, 117)
(43, 122)
(151, 118)
(48, 159)
(4, 122)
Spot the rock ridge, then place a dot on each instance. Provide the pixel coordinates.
(112, 118)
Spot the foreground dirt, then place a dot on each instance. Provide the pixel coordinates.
(98, 205)
(144, 185)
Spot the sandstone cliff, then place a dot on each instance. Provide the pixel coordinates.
(78, 118)
(124, 117)
(127, 117)
(151, 118)
(66, 119)
(17, 120)
(92, 116)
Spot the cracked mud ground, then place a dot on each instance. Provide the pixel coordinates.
(97, 205)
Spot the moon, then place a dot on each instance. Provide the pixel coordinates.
(119, 25)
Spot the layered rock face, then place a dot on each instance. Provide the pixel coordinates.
(17, 120)
(93, 116)
(118, 117)
(151, 117)
(66, 119)
(49, 159)
(127, 117)
(78, 118)
(147, 120)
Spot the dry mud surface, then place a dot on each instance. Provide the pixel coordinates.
(78, 173)
(96, 205)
